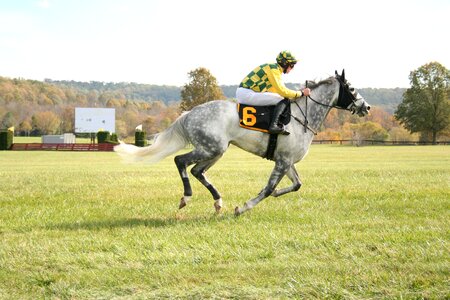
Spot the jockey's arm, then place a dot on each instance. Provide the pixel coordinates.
(278, 87)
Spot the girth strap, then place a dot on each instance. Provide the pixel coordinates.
(273, 138)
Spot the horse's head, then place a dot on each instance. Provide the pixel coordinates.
(349, 98)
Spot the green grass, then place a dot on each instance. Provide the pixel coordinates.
(368, 223)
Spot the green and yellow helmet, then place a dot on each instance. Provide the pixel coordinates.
(285, 59)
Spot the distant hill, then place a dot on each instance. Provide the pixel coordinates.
(128, 90)
(387, 99)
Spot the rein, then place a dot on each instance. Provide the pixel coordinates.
(305, 114)
(305, 124)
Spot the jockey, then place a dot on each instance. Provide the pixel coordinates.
(263, 86)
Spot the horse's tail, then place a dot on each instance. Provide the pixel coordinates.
(166, 143)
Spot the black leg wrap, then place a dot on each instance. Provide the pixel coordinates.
(214, 192)
(187, 187)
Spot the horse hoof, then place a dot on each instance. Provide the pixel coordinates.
(237, 211)
(218, 205)
(183, 202)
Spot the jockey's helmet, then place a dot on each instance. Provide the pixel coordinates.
(286, 59)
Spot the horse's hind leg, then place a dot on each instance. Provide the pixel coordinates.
(182, 162)
(185, 160)
(199, 171)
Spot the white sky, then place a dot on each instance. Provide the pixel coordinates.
(159, 42)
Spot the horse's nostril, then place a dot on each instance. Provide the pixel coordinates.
(368, 107)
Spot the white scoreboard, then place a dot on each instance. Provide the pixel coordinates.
(89, 120)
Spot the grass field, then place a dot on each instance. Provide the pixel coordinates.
(368, 223)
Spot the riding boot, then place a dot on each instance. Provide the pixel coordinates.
(275, 127)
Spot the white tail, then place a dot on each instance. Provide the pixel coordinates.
(166, 143)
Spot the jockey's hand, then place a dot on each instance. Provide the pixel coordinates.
(306, 92)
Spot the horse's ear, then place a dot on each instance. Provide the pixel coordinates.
(343, 75)
(336, 73)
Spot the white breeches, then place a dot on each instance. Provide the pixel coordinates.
(250, 97)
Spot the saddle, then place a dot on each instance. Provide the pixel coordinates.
(258, 118)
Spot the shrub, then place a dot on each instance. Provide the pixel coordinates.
(6, 139)
(103, 137)
(113, 138)
(140, 138)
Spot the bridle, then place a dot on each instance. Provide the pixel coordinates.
(346, 101)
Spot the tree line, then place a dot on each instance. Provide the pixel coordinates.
(387, 99)
(36, 108)
(128, 90)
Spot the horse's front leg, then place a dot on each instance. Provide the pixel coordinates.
(296, 183)
(280, 169)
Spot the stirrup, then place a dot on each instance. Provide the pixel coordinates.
(278, 130)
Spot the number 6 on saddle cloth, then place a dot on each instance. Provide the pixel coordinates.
(258, 117)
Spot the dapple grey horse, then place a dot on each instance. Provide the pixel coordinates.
(211, 127)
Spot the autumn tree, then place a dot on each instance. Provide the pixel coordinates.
(121, 128)
(202, 87)
(67, 116)
(7, 121)
(46, 122)
(401, 134)
(366, 131)
(25, 127)
(150, 125)
(426, 105)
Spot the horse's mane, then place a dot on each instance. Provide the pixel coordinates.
(313, 85)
